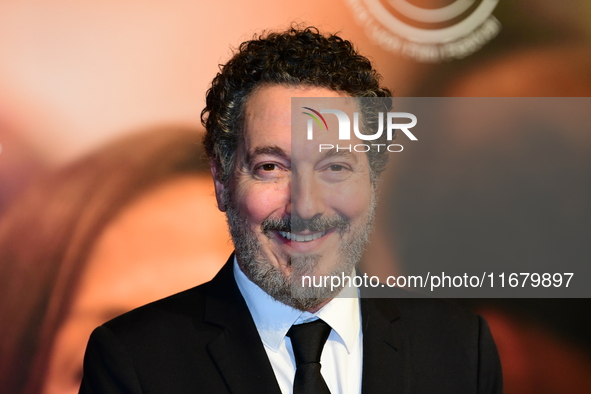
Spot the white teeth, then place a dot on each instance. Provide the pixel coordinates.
(301, 238)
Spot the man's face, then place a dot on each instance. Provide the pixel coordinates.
(293, 210)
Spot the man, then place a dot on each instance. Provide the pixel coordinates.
(293, 212)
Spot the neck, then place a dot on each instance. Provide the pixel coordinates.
(319, 306)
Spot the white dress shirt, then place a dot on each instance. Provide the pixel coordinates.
(341, 358)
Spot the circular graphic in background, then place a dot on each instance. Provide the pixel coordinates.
(428, 30)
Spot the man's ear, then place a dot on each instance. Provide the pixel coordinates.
(219, 186)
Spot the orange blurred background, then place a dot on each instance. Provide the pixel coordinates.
(75, 76)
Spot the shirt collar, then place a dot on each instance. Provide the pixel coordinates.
(273, 318)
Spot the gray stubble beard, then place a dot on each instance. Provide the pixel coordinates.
(289, 290)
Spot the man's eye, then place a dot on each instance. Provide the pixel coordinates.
(268, 167)
(336, 167)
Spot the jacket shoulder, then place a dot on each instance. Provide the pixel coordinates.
(186, 306)
(155, 346)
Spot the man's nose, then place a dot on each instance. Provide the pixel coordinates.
(307, 199)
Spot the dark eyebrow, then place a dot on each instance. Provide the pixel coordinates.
(272, 150)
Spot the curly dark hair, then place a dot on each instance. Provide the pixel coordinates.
(298, 56)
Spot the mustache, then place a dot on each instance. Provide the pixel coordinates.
(296, 224)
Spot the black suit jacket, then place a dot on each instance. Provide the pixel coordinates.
(204, 340)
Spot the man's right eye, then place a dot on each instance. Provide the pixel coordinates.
(269, 171)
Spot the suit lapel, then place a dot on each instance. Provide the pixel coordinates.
(237, 351)
(385, 349)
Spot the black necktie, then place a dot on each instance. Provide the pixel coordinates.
(308, 341)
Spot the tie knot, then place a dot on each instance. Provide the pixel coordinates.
(308, 340)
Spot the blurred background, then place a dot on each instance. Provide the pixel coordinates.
(105, 197)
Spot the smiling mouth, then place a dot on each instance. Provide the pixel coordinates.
(301, 238)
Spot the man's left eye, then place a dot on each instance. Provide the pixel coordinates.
(336, 167)
(268, 167)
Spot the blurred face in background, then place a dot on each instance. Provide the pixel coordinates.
(170, 239)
